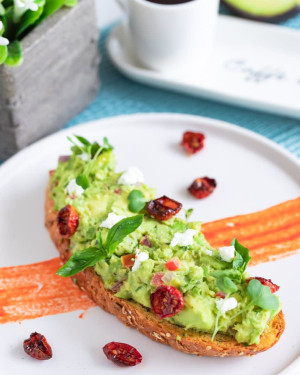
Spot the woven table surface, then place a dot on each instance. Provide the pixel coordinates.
(119, 95)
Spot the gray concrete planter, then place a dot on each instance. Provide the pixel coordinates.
(58, 78)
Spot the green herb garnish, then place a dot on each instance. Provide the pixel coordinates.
(188, 213)
(90, 256)
(137, 201)
(226, 285)
(242, 256)
(93, 150)
(262, 296)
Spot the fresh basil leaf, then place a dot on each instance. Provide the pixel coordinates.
(106, 144)
(82, 140)
(14, 54)
(81, 260)
(3, 53)
(136, 201)
(83, 181)
(188, 213)
(226, 285)
(261, 296)
(242, 256)
(94, 149)
(120, 230)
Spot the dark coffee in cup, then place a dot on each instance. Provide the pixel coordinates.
(169, 2)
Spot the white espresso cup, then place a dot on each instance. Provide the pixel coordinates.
(171, 37)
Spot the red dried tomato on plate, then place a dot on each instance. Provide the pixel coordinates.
(122, 354)
(37, 347)
(193, 142)
(202, 187)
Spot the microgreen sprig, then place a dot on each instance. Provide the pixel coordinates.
(242, 256)
(137, 201)
(90, 256)
(93, 150)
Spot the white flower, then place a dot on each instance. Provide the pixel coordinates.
(21, 6)
(224, 305)
(183, 239)
(227, 253)
(73, 188)
(111, 220)
(3, 41)
(131, 177)
(139, 258)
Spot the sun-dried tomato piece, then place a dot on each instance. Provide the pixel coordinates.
(267, 282)
(220, 294)
(67, 221)
(145, 241)
(193, 142)
(37, 347)
(173, 264)
(166, 301)
(118, 191)
(122, 354)
(202, 187)
(163, 208)
(51, 172)
(157, 279)
(128, 260)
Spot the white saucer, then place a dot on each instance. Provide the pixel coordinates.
(253, 65)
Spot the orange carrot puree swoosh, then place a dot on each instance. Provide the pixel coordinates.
(34, 290)
(269, 234)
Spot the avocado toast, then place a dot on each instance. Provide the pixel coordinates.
(218, 314)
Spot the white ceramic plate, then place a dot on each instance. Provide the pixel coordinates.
(252, 174)
(253, 65)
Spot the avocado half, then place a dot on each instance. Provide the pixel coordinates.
(264, 10)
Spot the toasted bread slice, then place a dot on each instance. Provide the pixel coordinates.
(136, 316)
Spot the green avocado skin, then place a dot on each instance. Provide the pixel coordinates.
(264, 10)
(198, 261)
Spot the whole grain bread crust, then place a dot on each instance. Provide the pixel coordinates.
(136, 316)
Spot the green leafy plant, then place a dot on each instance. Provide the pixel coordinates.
(90, 256)
(137, 201)
(226, 285)
(19, 17)
(262, 296)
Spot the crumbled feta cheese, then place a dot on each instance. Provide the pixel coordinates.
(227, 253)
(139, 258)
(167, 277)
(224, 305)
(73, 188)
(183, 239)
(111, 220)
(85, 156)
(131, 177)
(209, 252)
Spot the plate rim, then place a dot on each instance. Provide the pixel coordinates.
(140, 117)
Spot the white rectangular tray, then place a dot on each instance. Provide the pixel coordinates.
(253, 65)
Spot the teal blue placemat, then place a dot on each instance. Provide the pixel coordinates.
(119, 95)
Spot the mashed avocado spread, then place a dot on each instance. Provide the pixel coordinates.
(202, 274)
